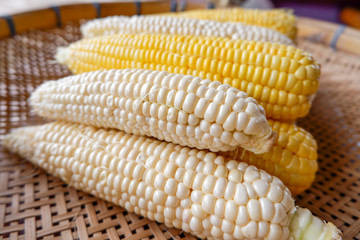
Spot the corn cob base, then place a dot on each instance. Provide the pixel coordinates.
(162, 181)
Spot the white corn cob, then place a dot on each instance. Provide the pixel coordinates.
(180, 26)
(198, 191)
(177, 108)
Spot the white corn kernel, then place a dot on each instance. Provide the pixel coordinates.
(208, 203)
(219, 209)
(161, 193)
(267, 209)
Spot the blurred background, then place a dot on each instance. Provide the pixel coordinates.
(338, 11)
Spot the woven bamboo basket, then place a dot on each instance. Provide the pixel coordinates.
(35, 205)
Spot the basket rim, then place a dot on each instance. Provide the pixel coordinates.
(59, 15)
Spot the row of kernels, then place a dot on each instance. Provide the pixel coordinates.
(284, 112)
(194, 44)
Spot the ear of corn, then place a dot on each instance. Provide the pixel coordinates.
(293, 158)
(180, 26)
(281, 78)
(280, 20)
(177, 108)
(198, 191)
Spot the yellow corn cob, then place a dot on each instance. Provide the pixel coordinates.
(281, 78)
(280, 20)
(177, 108)
(198, 191)
(293, 158)
(181, 26)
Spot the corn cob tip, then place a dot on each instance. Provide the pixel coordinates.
(20, 140)
(336, 233)
(304, 225)
(62, 54)
(265, 143)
